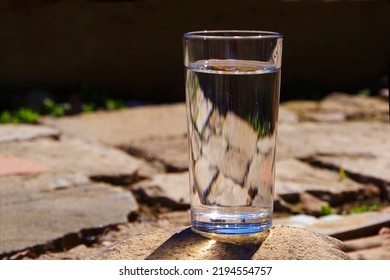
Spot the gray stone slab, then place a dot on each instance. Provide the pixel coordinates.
(35, 209)
(225, 192)
(183, 244)
(234, 165)
(341, 227)
(23, 132)
(301, 140)
(339, 107)
(293, 176)
(204, 175)
(171, 151)
(240, 135)
(74, 155)
(125, 126)
(171, 189)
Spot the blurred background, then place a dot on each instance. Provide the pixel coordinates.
(88, 51)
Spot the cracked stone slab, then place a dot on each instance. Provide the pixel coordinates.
(355, 139)
(122, 127)
(240, 135)
(341, 227)
(171, 151)
(24, 132)
(295, 177)
(215, 149)
(340, 107)
(234, 165)
(283, 242)
(171, 189)
(364, 166)
(36, 209)
(226, 192)
(204, 175)
(352, 107)
(74, 155)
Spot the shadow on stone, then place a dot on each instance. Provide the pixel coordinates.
(188, 244)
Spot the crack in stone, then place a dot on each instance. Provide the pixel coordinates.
(87, 237)
(384, 186)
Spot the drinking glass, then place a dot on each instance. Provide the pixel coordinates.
(232, 81)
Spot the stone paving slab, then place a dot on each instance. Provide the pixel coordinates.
(24, 132)
(338, 107)
(125, 126)
(348, 138)
(74, 155)
(171, 189)
(10, 165)
(294, 176)
(37, 209)
(171, 151)
(184, 244)
(341, 227)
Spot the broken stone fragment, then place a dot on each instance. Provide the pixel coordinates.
(202, 111)
(240, 135)
(266, 145)
(195, 144)
(204, 175)
(216, 121)
(215, 150)
(260, 180)
(225, 192)
(234, 165)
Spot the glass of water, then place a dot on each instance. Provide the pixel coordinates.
(232, 96)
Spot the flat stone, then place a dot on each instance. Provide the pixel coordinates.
(374, 167)
(184, 244)
(225, 192)
(240, 135)
(378, 253)
(311, 204)
(295, 177)
(205, 108)
(36, 209)
(23, 132)
(214, 150)
(74, 155)
(163, 221)
(355, 106)
(286, 115)
(171, 189)
(343, 227)
(171, 151)
(367, 139)
(122, 127)
(341, 107)
(204, 175)
(10, 165)
(234, 165)
(364, 243)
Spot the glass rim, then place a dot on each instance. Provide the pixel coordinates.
(235, 34)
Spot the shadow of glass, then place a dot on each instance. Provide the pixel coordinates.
(190, 245)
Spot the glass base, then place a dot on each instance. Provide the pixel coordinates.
(238, 222)
(232, 228)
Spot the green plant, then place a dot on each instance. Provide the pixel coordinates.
(27, 115)
(7, 117)
(114, 104)
(326, 209)
(55, 109)
(342, 173)
(365, 208)
(365, 92)
(23, 115)
(89, 107)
